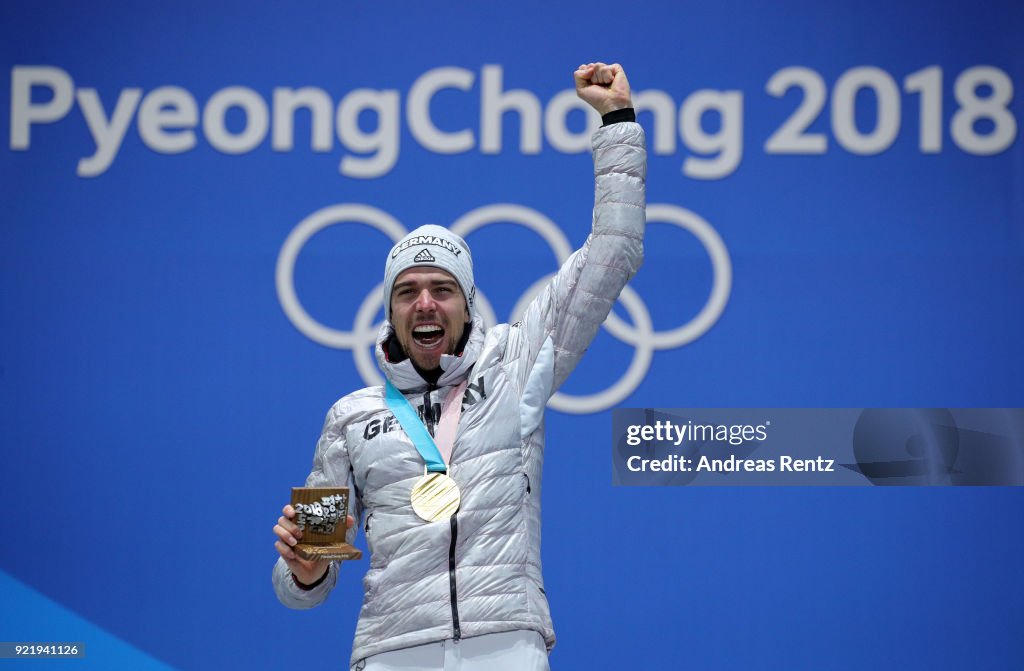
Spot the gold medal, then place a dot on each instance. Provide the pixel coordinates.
(435, 497)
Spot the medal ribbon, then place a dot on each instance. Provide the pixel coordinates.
(445, 433)
(417, 432)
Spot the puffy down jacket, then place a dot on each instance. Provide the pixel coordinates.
(480, 571)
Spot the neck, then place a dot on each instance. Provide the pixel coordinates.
(431, 376)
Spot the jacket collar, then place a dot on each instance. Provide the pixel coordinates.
(456, 367)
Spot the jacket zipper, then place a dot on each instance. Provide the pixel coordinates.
(451, 579)
(428, 417)
(428, 410)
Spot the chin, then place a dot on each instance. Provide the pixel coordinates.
(427, 364)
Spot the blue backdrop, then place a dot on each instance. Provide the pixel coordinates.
(837, 219)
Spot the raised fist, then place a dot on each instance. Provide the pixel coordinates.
(604, 87)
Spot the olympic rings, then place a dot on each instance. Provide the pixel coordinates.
(285, 273)
(641, 334)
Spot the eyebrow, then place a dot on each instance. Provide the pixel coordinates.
(434, 283)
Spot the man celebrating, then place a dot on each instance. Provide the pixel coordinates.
(444, 461)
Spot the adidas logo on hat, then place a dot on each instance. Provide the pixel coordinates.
(424, 257)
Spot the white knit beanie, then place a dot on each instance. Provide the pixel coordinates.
(433, 246)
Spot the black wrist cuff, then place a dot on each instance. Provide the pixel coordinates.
(617, 116)
(306, 587)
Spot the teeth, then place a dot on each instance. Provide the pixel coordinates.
(427, 330)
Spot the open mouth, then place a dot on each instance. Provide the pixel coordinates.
(427, 335)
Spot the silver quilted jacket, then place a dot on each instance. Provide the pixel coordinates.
(480, 571)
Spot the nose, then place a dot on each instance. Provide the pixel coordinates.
(424, 301)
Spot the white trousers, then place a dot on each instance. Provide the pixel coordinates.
(507, 651)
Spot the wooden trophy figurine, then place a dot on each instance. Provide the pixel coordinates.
(321, 512)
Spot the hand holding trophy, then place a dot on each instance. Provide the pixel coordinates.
(310, 533)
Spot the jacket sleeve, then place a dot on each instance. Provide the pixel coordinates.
(331, 468)
(559, 324)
